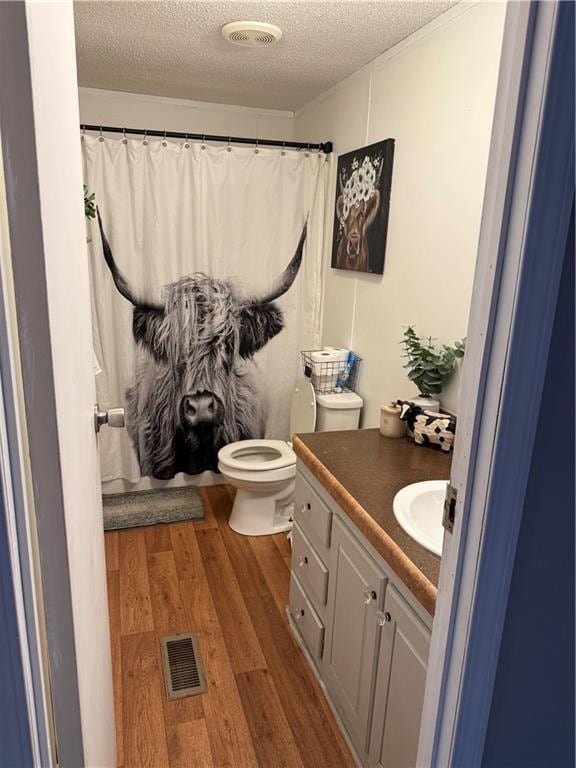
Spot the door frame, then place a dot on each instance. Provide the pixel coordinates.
(528, 201)
(32, 436)
(50, 370)
(20, 563)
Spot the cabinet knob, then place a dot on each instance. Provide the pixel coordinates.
(305, 507)
(298, 614)
(383, 617)
(368, 595)
(302, 561)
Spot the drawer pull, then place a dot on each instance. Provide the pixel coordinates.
(298, 614)
(302, 561)
(369, 595)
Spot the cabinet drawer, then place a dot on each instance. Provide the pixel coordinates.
(310, 569)
(310, 627)
(312, 515)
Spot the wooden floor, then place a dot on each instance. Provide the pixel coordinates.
(263, 706)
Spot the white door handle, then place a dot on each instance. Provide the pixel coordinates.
(114, 417)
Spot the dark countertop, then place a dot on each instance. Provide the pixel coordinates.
(363, 471)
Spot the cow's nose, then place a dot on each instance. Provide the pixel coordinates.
(198, 409)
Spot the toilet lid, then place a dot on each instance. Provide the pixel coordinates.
(303, 410)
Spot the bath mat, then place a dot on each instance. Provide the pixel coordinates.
(139, 508)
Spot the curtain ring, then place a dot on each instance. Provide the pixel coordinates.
(101, 138)
(283, 148)
(145, 140)
(229, 148)
(124, 140)
(203, 145)
(164, 143)
(256, 150)
(186, 144)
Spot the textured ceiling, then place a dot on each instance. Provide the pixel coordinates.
(175, 48)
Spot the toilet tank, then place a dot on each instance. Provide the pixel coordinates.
(338, 411)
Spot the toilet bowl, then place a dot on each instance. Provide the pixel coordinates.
(264, 471)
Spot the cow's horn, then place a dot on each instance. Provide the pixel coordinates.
(119, 279)
(287, 277)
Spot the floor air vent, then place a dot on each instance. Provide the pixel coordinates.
(183, 671)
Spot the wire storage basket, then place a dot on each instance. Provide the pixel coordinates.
(330, 373)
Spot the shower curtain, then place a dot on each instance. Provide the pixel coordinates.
(171, 210)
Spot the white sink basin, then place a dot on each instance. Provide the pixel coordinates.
(418, 508)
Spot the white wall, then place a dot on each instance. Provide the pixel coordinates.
(134, 110)
(434, 94)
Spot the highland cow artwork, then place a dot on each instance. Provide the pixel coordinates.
(194, 387)
(362, 208)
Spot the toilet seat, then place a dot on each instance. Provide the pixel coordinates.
(257, 455)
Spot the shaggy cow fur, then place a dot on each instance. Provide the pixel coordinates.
(197, 344)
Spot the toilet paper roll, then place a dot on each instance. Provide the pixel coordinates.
(327, 356)
(340, 351)
(327, 367)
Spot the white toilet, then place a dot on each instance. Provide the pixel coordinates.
(264, 471)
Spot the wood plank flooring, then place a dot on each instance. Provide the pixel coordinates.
(263, 707)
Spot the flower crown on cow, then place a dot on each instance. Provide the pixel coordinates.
(361, 184)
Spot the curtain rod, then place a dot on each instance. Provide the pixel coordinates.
(325, 147)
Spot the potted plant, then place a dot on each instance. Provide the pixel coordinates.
(429, 366)
(89, 207)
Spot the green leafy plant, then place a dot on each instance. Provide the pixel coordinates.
(429, 366)
(89, 204)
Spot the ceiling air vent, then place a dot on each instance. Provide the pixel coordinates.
(251, 34)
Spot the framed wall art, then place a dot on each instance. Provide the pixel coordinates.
(362, 207)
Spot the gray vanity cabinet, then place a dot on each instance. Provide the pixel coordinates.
(355, 597)
(364, 634)
(401, 677)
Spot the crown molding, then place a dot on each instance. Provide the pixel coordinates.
(182, 103)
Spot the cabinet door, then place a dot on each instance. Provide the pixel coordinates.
(355, 594)
(399, 697)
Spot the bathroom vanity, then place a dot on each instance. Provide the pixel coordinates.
(362, 592)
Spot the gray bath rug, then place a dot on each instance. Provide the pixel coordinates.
(139, 508)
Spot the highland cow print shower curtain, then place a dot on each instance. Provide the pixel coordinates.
(205, 286)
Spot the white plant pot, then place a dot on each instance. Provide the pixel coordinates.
(427, 403)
